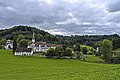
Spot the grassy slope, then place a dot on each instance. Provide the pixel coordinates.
(35, 68)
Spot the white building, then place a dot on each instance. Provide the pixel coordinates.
(24, 51)
(9, 45)
(41, 46)
(97, 50)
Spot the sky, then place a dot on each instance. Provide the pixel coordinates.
(63, 17)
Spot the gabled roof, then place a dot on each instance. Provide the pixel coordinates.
(9, 42)
(47, 44)
(23, 50)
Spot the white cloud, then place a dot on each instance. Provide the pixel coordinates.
(71, 1)
(11, 8)
(70, 14)
(68, 21)
(47, 1)
(90, 31)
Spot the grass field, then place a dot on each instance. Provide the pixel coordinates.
(36, 68)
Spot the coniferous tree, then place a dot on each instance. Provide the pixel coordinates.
(14, 44)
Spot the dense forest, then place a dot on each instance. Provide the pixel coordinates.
(27, 31)
(91, 40)
(40, 35)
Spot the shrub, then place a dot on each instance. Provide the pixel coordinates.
(50, 52)
(87, 49)
(79, 54)
(68, 52)
(84, 50)
(116, 60)
(1, 47)
(59, 51)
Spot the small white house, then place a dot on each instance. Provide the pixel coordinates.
(9, 45)
(24, 51)
(97, 50)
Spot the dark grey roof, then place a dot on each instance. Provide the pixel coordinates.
(23, 50)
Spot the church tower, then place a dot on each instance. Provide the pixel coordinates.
(33, 42)
(33, 39)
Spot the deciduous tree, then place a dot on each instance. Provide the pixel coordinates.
(20, 37)
(23, 43)
(106, 49)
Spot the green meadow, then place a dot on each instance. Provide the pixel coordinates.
(37, 68)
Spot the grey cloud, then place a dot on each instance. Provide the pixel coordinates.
(78, 16)
(114, 6)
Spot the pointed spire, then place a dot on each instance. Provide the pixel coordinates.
(33, 39)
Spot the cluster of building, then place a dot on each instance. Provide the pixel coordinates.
(32, 48)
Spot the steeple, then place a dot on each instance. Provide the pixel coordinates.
(33, 39)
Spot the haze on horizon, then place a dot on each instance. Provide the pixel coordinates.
(63, 17)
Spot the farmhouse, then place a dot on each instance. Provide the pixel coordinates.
(24, 51)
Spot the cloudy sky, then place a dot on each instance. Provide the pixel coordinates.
(64, 17)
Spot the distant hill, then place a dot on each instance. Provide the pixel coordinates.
(27, 31)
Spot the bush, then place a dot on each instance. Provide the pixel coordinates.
(1, 47)
(87, 49)
(50, 52)
(59, 51)
(68, 52)
(114, 60)
(79, 54)
(84, 50)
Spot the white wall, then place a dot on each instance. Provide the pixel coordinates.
(24, 53)
(7, 46)
(41, 49)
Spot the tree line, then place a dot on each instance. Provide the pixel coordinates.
(40, 35)
(84, 44)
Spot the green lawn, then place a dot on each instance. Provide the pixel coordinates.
(36, 68)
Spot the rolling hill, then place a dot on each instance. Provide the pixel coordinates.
(27, 31)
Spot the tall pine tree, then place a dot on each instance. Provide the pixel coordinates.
(14, 44)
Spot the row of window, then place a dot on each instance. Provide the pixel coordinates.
(26, 54)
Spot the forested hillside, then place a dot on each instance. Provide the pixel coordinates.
(91, 40)
(27, 31)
